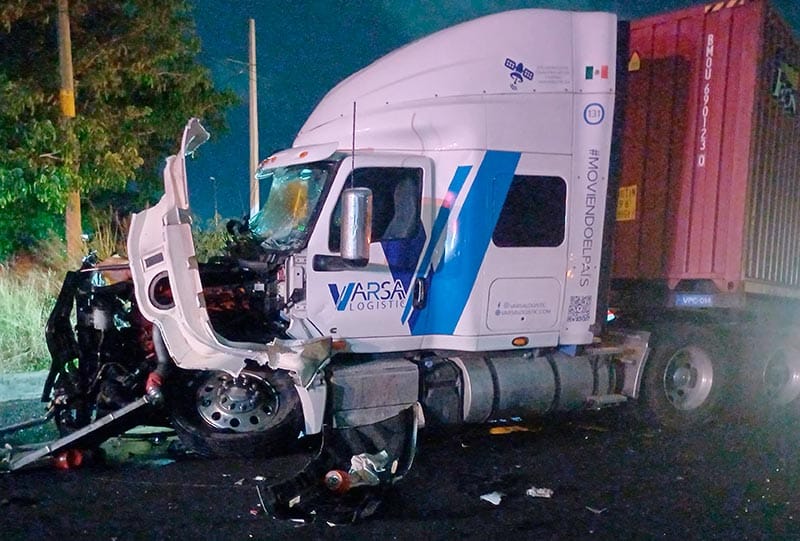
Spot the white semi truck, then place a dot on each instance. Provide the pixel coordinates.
(438, 229)
(434, 249)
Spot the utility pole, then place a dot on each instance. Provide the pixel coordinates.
(255, 197)
(67, 101)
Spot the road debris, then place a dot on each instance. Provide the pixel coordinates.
(69, 459)
(509, 429)
(536, 492)
(365, 470)
(593, 428)
(597, 511)
(378, 454)
(493, 498)
(157, 462)
(261, 499)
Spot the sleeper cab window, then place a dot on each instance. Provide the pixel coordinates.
(533, 214)
(396, 200)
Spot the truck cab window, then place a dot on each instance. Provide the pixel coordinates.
(396, 200)
(293, 195)
(533, 214)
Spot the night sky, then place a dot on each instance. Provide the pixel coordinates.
(305, 48)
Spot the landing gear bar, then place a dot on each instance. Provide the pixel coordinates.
(92, 434)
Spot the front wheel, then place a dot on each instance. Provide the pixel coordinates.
(215, 414)
(684, 377)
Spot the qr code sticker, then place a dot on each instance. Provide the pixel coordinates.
(579, 307)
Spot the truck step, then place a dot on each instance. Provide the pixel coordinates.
(603, 400)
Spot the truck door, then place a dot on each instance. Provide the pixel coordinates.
(523, 273)
(368, 302)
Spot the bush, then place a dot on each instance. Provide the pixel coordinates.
(210, 239)
(26, 298)
(108, 232)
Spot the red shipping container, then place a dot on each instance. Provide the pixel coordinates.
(710, 151)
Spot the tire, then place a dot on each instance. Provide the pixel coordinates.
(780, 377)
(769, 379)
(214, 414)
(685, 377)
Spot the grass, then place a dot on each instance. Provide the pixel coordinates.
(26, 299)
(29, 285)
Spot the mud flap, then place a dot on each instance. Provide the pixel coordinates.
(307, 497)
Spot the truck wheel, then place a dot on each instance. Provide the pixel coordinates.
(215, 414)
(781, 377)
(770, 381)
(684, 378)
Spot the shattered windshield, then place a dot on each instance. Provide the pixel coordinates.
(292, 197)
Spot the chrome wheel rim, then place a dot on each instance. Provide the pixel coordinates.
(781, 377)
(688, 378)
(246, 403)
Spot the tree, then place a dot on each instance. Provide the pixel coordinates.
(137, 81)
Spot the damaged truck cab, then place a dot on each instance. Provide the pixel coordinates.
(433, 238)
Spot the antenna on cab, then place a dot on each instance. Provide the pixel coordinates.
(353, 148)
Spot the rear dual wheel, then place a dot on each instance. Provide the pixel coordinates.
(686, 376)
(769, 378)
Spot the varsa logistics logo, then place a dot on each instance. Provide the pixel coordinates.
(359, 296)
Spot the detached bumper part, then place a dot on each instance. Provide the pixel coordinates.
(385, 452)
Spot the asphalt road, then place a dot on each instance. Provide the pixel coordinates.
(611, 478)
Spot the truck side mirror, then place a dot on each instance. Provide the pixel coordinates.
(356, 226)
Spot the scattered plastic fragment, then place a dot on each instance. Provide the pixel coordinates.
(536, 492)
(259, 478)
(499, 430)
(159, 462)
(5, 455)
(595, 428)
(493, 498)
(261, 500)
(597, 511)
(367, 467)
(240, 482)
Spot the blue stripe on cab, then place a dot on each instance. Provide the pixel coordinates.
(450, 284)
(439, 227)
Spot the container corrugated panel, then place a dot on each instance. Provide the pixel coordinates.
(710, 168)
